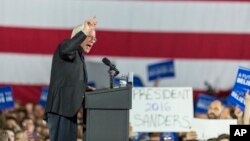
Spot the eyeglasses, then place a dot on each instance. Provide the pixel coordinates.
(92, 38)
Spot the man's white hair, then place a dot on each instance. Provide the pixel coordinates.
(76, 30)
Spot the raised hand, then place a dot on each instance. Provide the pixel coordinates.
(246, 117)
(89, 25)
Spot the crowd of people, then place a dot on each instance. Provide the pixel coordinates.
(26, 123)
(23, 123)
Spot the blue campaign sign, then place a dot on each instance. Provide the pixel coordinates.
(243, 77)
(237, 97)
(241, 86)
(43, 97)
(137, 81)
(224, 101)
(203, 103)
(6, 98)
(92, 84)
(161, 70)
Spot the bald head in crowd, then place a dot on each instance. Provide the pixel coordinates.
(214, 110)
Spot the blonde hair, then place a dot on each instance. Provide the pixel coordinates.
(76, 30)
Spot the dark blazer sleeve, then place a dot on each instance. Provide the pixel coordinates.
(67, 50)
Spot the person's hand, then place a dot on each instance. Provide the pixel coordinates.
(247, 97)
(246, 117)
(89, 25)
(157, 82)
(238, 112)
(89, 89)
(192, 135)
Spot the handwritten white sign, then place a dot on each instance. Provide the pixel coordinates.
(211, 128)
(161, 109)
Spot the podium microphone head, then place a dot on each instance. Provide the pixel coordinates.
(106, 61)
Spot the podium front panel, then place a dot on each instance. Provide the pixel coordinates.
(107, 125)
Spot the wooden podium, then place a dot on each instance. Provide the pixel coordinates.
(108, 114)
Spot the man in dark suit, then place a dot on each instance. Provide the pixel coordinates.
(68, 82)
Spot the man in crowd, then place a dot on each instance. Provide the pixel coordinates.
(214, 110)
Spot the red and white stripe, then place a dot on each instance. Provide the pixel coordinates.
(207, 39)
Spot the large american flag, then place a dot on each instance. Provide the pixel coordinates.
(208, 39)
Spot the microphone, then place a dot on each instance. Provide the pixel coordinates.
(107, 62)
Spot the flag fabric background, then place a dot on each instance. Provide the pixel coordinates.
(208, 40)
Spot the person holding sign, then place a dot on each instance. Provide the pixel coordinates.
(68, 82)
(244, 117)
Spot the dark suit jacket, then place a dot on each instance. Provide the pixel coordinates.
(68, 79)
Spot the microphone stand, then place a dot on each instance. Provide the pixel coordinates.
(112, 74)
(111, 77)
